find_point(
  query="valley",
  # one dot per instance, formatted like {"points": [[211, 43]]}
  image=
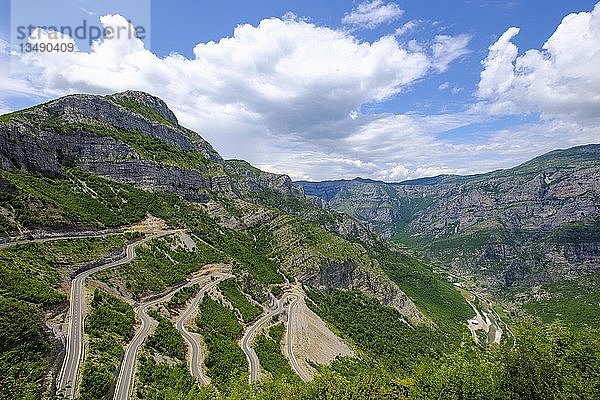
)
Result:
{"points": [[511, 231]]}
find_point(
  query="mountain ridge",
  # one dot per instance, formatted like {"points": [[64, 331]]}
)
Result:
{"points": [[521, 227], [134, 138]]}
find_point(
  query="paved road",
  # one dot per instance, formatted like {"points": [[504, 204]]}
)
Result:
{"points": [[253, 362], [74, 342], [290, 341], [490, 303], [126, 374], [193, 343], [68, 236]]}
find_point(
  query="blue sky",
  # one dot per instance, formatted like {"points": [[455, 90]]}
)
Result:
{"points": [[179, 26], [338, 89]]}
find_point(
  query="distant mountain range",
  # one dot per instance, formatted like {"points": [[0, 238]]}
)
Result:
{"points": [[536, 223]]}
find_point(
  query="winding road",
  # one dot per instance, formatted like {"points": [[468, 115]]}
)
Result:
{"points": [[490, 305], [68, 236], [289, 343], [126, 375], [196, 352], [248, 337], [67, 381]]}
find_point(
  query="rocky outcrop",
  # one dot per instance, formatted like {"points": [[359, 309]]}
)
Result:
{"points": [[327, 274], [59, 134]]}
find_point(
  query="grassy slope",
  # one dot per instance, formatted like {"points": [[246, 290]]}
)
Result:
{"points": [[268, 350], [157, 266], [232, 292], [433, 296], [24, 349], [220, 328], [164, 373]]}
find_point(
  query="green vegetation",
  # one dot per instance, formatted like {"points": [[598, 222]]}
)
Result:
{"points": [[319, 241], [147, 147], [247, 310], [556, 362], [32, 271], [143, 110], [110, 327], [30, 275], [252, 250], [150, 148], [181, 297], [578, 232], [164, 374], [435, 297], [157, 266], [220, 328], [167, 340], [268, 350], [378, 331], [24, 350], [575, 302], [79, 199], [162, 381], [276, 332], [289, 203]]}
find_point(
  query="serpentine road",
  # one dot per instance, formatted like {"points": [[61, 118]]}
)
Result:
{"points": [[126, 374], [193, 343], [74, 342], [253, 362]]}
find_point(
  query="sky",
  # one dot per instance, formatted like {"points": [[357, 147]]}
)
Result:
{"points": [[389, 90]]}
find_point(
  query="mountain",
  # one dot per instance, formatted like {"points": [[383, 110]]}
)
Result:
{"points": [[512, 230], [135, 262], [133, 138], [84, 175]]}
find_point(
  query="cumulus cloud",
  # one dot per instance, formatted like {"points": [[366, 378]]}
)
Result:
{"points": [[371, 14], [281, 81], [400, 172], [559, 81]]}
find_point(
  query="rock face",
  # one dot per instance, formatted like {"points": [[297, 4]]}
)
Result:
{"points": [[69, 132], [329, 262], [102, 135], [535, 223]]}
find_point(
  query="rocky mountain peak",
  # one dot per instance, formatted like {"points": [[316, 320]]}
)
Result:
{"points": [[147, 100]]}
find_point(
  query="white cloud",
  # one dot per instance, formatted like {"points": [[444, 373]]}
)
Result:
{"points": [[407, 27], [287, 96], [448, 48], [399, 172], [559, 81], [283, 80], [371, 14], [452, 88], [498, 73]]}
